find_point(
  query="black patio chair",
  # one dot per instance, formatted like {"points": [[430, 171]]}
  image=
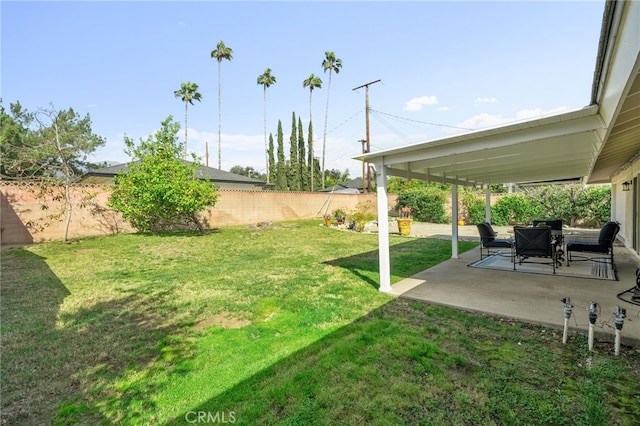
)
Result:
{"points": [[603, 246], [556, 234], [489, 241], [534, 242], [554, 224]]}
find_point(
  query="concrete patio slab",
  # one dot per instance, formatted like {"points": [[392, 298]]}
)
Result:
{"points": [[527, 297]]}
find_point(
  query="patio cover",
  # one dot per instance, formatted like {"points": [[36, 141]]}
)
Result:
{"points": [[561, 147], [555, 148]]}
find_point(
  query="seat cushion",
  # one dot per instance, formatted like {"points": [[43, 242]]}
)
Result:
{"points": [[593, 247], [497, 244]]}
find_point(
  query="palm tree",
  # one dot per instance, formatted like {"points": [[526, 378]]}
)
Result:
{"points": [[188, 93], [312, 82], [221, 52], [331, 64], [266, 79]]}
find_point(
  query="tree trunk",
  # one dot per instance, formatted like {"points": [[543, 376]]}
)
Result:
{"points": [[219, 122], [186, 106], [266, 148], [326, 117]]}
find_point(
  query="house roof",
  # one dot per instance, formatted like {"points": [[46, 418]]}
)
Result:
{"points": [[591, 143], [202, 172]]}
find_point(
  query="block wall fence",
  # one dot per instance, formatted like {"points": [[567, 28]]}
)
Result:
{"points": [[28, 217]]}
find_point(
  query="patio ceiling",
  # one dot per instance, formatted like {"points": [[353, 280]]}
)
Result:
{"points": [[623, 142], [555, 148]]}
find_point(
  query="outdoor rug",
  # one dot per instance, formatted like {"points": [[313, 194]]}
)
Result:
{"points": [[581, 269]]}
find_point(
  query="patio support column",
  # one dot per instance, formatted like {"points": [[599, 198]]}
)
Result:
{"points": [[487, 204], [383, 227], [454, 221]]}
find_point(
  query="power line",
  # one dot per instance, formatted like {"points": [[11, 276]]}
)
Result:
{"points": [[417, 121]]}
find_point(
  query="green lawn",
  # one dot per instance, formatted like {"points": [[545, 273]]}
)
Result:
{"points": [[283, 325]]}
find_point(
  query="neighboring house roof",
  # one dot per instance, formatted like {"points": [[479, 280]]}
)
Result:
{"points": [[219, 177], [353, 186]]}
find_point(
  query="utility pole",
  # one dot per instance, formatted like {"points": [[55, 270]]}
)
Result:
{"points": [[206, 152], [366, 100], [364, 151]]}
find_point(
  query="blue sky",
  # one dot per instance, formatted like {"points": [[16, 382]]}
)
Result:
{"points": [[443, 66]]}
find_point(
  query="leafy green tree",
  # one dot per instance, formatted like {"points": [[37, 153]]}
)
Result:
{"points": [[281, 165], [302, 164], [15, 143], [331, 64], [188, 93], [220, 52], [266, 79], [53, 151], [159, 190], [335, 176], [248, 171], [294, 171], [65, 141]]}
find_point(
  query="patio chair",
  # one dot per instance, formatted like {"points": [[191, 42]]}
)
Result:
{"points": [[556, 234], [603, 246], [554, 224], [534, 243], [489, 241]]}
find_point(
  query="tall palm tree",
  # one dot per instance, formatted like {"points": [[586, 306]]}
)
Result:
{"points": [[312, 82], [331, 64], [188, 93], [266, 79], [221, 52]]}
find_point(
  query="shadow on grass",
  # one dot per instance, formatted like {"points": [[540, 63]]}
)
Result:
{"points": [[406, 259], [408, 363], [60, 361]]}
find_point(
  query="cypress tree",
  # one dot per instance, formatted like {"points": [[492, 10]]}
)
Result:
{"points": [[272, 160], [294, 172], [302, 166], [281, 165], [312, 176]]}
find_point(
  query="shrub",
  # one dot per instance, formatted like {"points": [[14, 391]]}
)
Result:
{"points": [[363, 213], [426, 203], [473, 205], [593, 205], [514, 208]]}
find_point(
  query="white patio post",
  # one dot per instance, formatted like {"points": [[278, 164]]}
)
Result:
{"points": [[383, 228], [454, 221], [487, 204]]}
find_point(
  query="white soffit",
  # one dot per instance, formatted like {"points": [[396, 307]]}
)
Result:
{"points": [[558, 147]]}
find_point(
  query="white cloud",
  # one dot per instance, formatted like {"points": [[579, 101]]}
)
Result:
{"points": [[445, 108], [416, 104], [485, 100]]}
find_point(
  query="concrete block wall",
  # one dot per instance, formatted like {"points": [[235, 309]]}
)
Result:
{"points": [[27, 216]]}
